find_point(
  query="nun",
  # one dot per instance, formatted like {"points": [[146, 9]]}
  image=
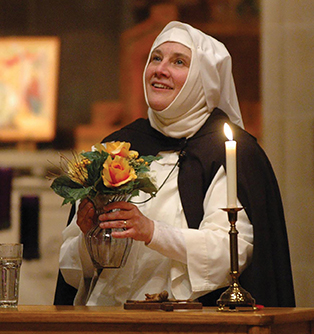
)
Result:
{"points": [[180, 236]]}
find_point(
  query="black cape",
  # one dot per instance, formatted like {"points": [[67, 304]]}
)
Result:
{"points": [[268, 278]]}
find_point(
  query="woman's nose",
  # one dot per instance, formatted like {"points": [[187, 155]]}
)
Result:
{"points": [[162, 69]]}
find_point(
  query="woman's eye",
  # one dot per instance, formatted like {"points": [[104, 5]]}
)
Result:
{"points": [[180, 62], [156, 58]]}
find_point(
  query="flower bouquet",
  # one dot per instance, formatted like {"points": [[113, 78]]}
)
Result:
{"points": [[110, 172], [110, 169]]}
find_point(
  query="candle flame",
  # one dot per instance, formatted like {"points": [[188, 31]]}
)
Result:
{"points": [[228, 131]]}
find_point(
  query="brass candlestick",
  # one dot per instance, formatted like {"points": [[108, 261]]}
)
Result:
{"points": [[235, 296]]}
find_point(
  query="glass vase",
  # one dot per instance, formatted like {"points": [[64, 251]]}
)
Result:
{"points": [[104, 250]]}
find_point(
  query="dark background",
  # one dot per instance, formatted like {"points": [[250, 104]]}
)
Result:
{"points": [[89, 32]]}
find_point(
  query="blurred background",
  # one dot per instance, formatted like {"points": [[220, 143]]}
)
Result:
{"points": [[99, 49]]}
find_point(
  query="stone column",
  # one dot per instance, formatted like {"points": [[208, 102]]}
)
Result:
{"points": [[287, 63]]}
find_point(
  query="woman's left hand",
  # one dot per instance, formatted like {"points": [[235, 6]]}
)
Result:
{"points": [[128, 216]]}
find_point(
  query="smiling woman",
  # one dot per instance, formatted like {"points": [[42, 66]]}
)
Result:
{"points": [[173, 62], [180, 236], [166, 73]]}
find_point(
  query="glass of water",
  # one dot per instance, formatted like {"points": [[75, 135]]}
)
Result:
{"points": [[10, 263]]}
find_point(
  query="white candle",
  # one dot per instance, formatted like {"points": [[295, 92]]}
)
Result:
{"points": [[231, 166]]}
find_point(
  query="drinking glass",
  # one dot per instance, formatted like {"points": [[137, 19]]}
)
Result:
{"points": [[10, 263]]}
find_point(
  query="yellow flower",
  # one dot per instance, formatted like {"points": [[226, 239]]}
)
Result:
{"points": [[121, 149], [118, 148], [77, 170], [133, 154], [117, 172]]}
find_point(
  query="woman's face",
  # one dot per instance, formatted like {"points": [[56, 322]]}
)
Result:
{"points": [[166, 73]]}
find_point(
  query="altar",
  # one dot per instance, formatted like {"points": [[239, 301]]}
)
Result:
{"points": [[87, 320]]}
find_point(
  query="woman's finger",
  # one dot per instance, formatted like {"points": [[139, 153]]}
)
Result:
{"points": [[85, 215]]}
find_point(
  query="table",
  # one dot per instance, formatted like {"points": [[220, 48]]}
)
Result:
{"points": [[87, 320]]}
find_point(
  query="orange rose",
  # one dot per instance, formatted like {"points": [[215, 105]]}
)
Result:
{"points": [[117, 172], [121, 149], [118, 148]]}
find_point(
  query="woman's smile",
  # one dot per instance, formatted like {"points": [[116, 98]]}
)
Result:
{"points": [[160, 85]]}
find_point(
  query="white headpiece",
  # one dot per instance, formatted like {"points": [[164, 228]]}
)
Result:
{"points": [[209, 84]]}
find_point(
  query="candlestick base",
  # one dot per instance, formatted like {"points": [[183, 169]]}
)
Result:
{"points": [[235, 296]]}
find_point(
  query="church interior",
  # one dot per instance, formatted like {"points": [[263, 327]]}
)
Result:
{"points": [[96, 51]]}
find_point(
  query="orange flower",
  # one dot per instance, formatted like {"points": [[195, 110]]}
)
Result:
{"points": [[117, 172], [118, 148], [121, 149]]}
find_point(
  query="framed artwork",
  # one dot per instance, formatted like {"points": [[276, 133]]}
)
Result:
{"points": [[29, 69]]}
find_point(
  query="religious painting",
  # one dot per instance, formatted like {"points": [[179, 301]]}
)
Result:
{"points": [[28, 88]]}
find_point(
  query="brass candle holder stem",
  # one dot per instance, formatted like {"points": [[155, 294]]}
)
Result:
{"points": [[235, 296], [233, 235]]}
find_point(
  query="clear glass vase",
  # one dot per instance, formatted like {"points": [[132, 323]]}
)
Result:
{"points": [[104, 250]]}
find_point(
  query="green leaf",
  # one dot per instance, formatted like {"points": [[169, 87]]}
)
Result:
{"points": [[79, 193], [69, 190], [135, 192], [146, 185], [142, 169], [97, 159], [62, 182], [150, 158], [68, 200]]}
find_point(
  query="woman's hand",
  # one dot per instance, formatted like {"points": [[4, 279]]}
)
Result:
{"points": [[128, 216], [85, 215]]}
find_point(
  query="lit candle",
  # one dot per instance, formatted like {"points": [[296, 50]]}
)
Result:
{"points": [[231, 166]]}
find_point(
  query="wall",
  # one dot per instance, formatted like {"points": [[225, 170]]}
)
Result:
{"points": [[89, 32], [288, 119]]}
